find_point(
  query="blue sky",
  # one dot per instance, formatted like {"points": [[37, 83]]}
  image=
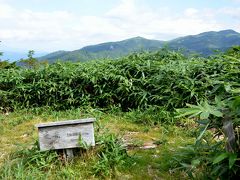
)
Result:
{"points": [[50, 25]]}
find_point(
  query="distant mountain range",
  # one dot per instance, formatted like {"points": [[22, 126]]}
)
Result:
{"points": [[15, 56], [203, 44]]}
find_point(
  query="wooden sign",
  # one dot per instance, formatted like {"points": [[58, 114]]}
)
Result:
{"points": [[66, 134]]}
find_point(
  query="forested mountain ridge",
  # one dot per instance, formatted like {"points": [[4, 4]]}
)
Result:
{"points": [[203, 43]]}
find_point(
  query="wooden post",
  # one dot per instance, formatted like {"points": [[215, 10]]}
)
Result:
{"points": [[229, 132], [68, 154]]}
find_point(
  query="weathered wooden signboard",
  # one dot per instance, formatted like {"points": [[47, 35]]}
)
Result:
{"points": [[66, 134]]}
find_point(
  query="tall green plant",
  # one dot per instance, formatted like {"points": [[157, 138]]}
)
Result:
{"points": [[165, 78]]}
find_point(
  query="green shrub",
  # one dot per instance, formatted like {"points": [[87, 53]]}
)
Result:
{"points": [[111, 155]]}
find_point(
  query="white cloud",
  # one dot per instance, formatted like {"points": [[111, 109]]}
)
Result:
{"points": [[146, 22], [234, 12], [56, 30], [6, 11], [30, 30], [191, 12]]}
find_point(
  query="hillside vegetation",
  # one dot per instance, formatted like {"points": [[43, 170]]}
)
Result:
{"points": [[163, 78], [191, 97], [204, 44]]}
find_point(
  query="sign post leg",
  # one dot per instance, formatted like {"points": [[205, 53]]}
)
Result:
{"points": [[68, 154]]}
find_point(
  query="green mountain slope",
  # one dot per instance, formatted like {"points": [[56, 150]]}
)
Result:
{"points": [[106, 50], [204, 43]]}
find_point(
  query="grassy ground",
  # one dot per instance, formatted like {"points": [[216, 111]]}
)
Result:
{"points": [[18, 133]]}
